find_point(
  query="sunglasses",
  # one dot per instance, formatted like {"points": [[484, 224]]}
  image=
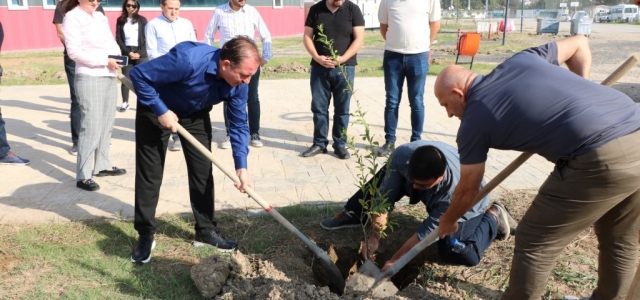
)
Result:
{"points": [[132, 6]]}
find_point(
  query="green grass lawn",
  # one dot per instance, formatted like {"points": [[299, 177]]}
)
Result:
{"points": [[90, 259], [46, 67]]}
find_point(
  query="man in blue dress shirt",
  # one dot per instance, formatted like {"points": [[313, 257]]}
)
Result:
{"points": [[181, 87]]}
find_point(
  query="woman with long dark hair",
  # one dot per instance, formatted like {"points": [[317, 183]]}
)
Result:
{"points": [[89, 43], [131, 39]]}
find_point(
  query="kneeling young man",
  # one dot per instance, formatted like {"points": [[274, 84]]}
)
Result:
{"points": [[428, 172]]}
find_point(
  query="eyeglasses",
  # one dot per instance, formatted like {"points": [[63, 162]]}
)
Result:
{"points": [[417, 185], [91, 1], [420, 186], [132, 6]]}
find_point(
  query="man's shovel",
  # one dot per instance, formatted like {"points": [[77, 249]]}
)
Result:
{"points": [[370, 278], [328, 268]]}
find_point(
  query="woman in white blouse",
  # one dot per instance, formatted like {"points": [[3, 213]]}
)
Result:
{"points": [[131, 40], [89, 42]]}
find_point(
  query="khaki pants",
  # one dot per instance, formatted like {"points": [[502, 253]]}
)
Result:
{"points": [[599, 188]]}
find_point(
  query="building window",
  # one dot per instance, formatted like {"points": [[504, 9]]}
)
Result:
{"points": [[18, 5], [49, 4], [277, 3]]}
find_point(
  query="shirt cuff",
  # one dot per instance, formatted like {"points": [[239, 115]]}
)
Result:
{"points": [[240, 162], [159, 108]]}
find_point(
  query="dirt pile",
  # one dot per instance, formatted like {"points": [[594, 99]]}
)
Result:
{"points": [[291, 271], [294, 67], [237, 276]]}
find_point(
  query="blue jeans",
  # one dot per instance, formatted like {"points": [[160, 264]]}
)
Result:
{"points": [[4, 144], [325, 83], [397, 67], [477, 233], [70, 69], [253, 106]]}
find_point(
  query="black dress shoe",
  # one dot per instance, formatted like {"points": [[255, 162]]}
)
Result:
{"points": [[341, 152], [142, 251], [115, 171], [215, 239], [315, 149], [88, 185]]}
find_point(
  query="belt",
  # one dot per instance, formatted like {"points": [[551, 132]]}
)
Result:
{"points": [[132, 48]]}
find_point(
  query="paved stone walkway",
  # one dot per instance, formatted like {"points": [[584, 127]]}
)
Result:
{"points": [[45, 191]]}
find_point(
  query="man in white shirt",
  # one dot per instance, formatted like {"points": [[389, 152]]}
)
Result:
{"points": [[406, 55], [233, 19], [164, 32]]}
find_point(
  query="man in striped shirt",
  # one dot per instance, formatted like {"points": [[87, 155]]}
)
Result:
{"points": [[233, 19]]}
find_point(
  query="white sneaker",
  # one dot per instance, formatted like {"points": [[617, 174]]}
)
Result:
{"points": [[226, 144], [176, 146], [255, 140], [74, 150], [575, 298], [124, 107]]}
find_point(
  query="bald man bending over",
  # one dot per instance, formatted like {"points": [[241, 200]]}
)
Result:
{"points": [[590, 131]]}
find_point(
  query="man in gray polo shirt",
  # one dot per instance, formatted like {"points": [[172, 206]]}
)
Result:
{"points": [[590, 131]]}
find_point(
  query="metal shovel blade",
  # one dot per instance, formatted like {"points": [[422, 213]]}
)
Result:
{"points": [[329, 271], [364, 279]]}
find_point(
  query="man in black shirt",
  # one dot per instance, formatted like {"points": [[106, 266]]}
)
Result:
{"points": [[70, 69], [344, 24]]}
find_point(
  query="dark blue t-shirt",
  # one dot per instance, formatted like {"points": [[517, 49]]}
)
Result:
{"points": [[530, 104]]}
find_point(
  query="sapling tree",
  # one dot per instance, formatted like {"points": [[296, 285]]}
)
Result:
{"points": [[374, 202]]}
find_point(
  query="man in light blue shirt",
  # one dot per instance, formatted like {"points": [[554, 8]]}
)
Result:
{"points": [[182, 87], [164, 32], [233, 19]]}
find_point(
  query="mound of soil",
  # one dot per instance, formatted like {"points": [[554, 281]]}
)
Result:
{"points": [[290, 271]]}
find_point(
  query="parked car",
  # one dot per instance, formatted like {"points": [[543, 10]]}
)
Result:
{"points": [[601, 17]]}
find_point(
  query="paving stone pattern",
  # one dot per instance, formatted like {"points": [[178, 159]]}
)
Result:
{"points": [[38, 129]]}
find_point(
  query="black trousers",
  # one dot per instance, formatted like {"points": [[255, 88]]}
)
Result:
{"points": [[151, 150]]}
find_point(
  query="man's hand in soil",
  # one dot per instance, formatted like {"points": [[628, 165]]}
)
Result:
{"points": [[370, 247], [410, 243]]}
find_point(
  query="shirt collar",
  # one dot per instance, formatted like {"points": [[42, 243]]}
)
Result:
{"points": [[213, 65], [227, 8], [473, 85], [167, 20]]}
